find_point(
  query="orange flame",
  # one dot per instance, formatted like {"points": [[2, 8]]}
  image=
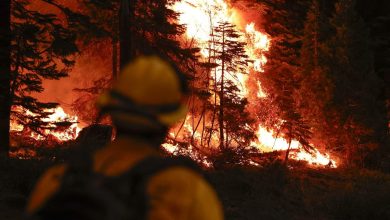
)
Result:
{"points": [[58, 115], [200, 16]]}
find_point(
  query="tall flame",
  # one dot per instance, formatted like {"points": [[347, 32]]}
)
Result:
{"points": [[200, 17]]}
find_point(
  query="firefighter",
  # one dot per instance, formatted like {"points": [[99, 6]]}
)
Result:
{"points": [[145, 101]]}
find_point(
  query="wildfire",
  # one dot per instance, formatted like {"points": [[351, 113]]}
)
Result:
{"points": [[315, 159], [257, 43], [267, 141], [61, 126], [200, 17]]}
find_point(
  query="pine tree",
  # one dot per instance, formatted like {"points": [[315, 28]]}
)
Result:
{"points": [[152, 28], [376, 16], [42, 48], [233, 120], [354, 105], [5, 75], [284, 21], [141, 28], [315, 91], [104, 15]]}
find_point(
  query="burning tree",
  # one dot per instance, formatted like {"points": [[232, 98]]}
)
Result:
{"points": [[229, 54], [42, 48], [316, 88], [151, 26], [359, 121], [280, 80], [105, 14], [311, 81], [339, 87], [148, 27], [280, 114]]}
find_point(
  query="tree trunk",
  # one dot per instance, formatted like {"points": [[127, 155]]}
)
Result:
{"points": [[276, 138], [181, 127], [221, 96], [5, 75], [215, 91], [316, 29], [124, 33], [203, 128], [287, 152], [197, 126], [214, 109]]}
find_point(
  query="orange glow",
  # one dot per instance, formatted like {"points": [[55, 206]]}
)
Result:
{"points": [[267, 142], [22, 153], [316, 159], [68, 132], [200, 17], [257, 44]]}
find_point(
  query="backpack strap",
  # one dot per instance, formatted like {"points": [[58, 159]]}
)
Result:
{"points": [[123, 197], [139, 176], [82, 196]]}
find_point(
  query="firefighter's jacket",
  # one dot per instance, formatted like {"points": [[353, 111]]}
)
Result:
{"points": [[175, 193]]}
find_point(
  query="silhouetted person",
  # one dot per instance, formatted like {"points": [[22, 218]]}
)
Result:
{"points": [[128, 179]]}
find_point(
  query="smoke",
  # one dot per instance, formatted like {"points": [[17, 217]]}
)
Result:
{"points": [[92, 63]]}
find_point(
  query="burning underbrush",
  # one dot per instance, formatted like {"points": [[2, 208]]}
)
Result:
{"points": [[56, 129], [62, 132], [88, 140], [246, 156]]}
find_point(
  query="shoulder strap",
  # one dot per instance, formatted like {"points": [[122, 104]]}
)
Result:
{"points": [[133, 184], [81, 196]]}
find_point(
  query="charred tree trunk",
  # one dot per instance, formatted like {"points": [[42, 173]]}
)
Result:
{"points": [[316, 34], [5, 75], [203, 128], [221, 96], [214, 109], [288, 151], [276, 138], [182, 124], [197, 126], [181, 127], [215, 90], [125, 41], [207, 84]]}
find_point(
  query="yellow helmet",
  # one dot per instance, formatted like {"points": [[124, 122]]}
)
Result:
{"points": [[149, 91]]}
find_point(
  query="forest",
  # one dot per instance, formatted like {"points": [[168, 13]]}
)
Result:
{"points": [[288, 105]]}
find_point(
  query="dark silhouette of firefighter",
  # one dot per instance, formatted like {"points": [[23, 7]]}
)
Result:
{"points": [[128, 179]]}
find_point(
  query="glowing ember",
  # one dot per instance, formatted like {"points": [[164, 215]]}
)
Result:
{"points": [[200, 17]]}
